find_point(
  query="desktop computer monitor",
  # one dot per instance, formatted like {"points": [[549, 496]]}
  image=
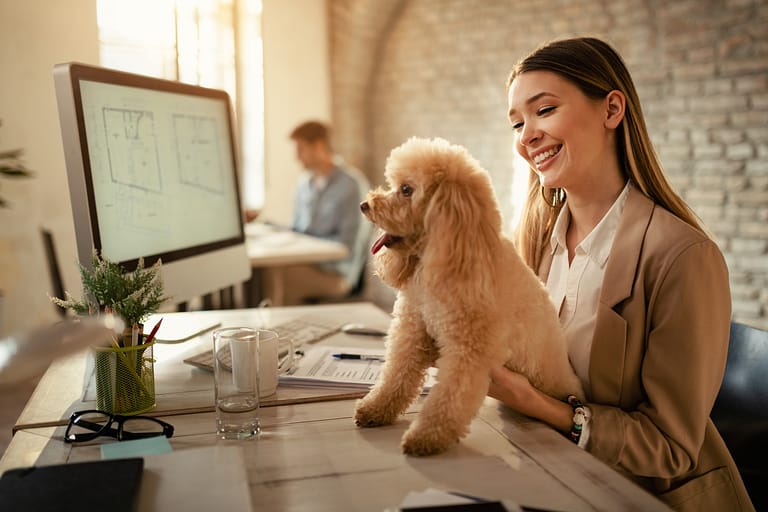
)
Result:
{"points": [[152, 173]]}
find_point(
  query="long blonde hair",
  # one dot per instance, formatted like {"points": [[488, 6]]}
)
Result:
{"points": [[596, 69]]}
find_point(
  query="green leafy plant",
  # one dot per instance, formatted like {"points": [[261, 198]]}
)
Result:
{"points": [[131, 295], [11, 166]]}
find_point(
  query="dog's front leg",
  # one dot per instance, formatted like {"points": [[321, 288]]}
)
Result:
{"points": [[410, 351], [463, 378]]}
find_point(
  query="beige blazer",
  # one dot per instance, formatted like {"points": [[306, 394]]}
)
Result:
{"points": [[658, 358]]}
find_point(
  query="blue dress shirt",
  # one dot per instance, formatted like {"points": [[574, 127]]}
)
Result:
{"points": [[332, 211]]}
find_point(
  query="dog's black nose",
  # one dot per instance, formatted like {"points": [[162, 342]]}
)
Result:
{"points": [[364, 206]]}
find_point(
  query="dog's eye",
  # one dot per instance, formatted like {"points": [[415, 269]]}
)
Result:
{"points": [[406, 190]]}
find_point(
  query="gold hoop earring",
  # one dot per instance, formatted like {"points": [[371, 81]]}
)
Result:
{"points": [[558, 196], [544, 196]]}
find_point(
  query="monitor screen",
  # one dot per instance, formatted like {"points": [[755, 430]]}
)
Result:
{"points": [[152, 173]]}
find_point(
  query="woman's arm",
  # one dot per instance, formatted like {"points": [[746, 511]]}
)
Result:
{"points": [[515, 390], [682, 367]]}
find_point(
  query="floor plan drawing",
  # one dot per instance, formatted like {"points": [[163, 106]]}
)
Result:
{"points": [[132, 148], [198, 152]]}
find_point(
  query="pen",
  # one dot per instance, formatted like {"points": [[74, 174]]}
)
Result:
{"points": [[360, 357], [151, 336]]}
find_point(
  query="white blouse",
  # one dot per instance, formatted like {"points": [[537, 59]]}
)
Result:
{"points": [[575, 288]]}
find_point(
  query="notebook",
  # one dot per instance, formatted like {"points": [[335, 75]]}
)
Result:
{"points": [[109, 485]]}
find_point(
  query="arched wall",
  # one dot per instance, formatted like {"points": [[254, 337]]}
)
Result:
{"points": [[437, 68]]}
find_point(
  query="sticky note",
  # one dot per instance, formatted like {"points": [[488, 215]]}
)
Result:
{"points": [[136, 448]]}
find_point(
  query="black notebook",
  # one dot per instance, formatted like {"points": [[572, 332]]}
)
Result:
{"points": [[108, 485]]}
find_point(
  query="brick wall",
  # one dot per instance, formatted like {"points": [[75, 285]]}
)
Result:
{"points": [[437, 68]]}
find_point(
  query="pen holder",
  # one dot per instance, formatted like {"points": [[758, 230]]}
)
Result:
{"points": [[125, 379]]}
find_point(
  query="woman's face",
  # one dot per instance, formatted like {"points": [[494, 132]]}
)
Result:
{"points": [[560, 131]]}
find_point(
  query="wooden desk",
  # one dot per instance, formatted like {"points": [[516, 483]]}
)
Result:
{"points": [[312, 457], [181, 388], [279, 249]]}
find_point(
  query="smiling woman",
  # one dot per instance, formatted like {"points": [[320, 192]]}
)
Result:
{"points": [[619, 252]]}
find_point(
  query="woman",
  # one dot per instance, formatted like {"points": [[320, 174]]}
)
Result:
{"points": [[642, 290]]}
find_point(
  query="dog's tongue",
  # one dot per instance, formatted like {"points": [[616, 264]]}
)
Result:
{"points": [[380, 242]]}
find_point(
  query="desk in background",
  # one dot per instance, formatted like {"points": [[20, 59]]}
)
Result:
{"points": [[311, 456], [277, 248]]}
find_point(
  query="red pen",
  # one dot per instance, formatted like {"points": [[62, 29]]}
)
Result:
{"points": [[153, 332]]}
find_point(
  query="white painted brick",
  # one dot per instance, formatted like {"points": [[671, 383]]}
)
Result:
{"points": [[746, 309], [744, 292], [758, 167], [707, 197], [752, 197], [708, 151], [758, 101], [729, 136], [749, 245], [740, 151]]}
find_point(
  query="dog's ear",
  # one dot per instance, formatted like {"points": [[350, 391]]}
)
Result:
{"points": [[462, 225]]}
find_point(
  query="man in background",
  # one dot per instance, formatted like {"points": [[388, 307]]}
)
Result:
{"points": [[326, 205]]}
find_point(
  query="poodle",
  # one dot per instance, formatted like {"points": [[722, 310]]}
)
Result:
{"points": [[466, 301]]}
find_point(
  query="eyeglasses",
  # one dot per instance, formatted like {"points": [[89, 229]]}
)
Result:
{"points": [[88, 425]]}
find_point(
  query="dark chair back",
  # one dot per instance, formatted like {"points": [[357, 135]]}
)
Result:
{"points": [[741, 409], [54, 272], [744, 392]]}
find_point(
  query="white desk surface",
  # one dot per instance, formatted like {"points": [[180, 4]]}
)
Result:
{"points": [[312, 457], [273, 247], [181, 388]]}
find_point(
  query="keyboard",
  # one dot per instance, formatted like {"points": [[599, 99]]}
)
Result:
{"points": [[301, 331]]}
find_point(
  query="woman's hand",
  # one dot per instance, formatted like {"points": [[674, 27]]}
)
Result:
{"points": [[514, 390], [511, 388]]}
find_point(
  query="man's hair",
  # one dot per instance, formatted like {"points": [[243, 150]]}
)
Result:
{"points": [[312, 131]]}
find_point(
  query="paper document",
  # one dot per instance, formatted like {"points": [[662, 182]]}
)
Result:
{"points": [[321, 366]]}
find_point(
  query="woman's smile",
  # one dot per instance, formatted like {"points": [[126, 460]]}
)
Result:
{"points": [[544, 159]]}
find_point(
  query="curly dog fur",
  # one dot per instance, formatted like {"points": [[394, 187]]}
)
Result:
{"points": [[466, 301]]}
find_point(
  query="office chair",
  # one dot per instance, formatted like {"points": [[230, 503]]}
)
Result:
{"points": [[54, 273], [740, 412]]}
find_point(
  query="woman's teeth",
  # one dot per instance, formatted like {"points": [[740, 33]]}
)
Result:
{"points": [[546, 155]]}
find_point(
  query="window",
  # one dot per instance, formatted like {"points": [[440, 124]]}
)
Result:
{"points": [[214, 43]]}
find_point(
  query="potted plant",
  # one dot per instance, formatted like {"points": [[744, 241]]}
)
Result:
{"points": [[125, 371], [107, 287]]}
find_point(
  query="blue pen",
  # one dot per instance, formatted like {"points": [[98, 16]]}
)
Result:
{"points": [[360, 357]]}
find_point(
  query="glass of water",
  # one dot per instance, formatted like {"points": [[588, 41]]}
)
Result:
{"points": [[236, 382]]}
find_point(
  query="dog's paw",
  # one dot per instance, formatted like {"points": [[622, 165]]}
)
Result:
{"points": [[421, 441], [368, 414]]}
